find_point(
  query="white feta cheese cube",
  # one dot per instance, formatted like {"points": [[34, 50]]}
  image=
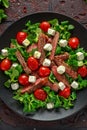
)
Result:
{"points": [[32, 79], [37, 54], [61, 85], [74, 84], [63, 42], [51, 31], [48, 47], [80, 56], [4, 52], [14, 65], [50, 105], [46, 62], [14, 86], [61, 69], [26, 42]]}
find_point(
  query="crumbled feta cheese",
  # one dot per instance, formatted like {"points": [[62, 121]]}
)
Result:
{"points": [[37, 54], [63, 42], [46, 62], [4, 52], [51, 31], [61, 69], [26, 42], [14, 86], [48, 47], [50, 105], [80, 56], [61, 85], [14, 65], [74, 84], [32, 79]]}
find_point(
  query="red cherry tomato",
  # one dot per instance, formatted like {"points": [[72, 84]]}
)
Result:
{"points": [[65, 93], [5, 64], [40, 94], [44, 26], [73, 42], [44, 71], [21, 36], [32, 63], [82, 71], [23, 79]]}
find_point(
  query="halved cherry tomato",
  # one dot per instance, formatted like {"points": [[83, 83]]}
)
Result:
{"points": [[82, 71], [44, 26], [21, 36], [40, 94], [65, 93], [23, 79], [32, 63], [44, 71], [73, 42], [5, 64]]}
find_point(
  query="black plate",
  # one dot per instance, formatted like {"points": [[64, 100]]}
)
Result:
{"points": [[6, 94]]}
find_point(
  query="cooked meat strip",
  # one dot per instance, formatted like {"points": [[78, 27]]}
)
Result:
{"points": [[38, 84], [63, 56], [54, 45], [31, 47], [52, 86], [68, 70], [41, 42], [22, 62], [59, 77]]}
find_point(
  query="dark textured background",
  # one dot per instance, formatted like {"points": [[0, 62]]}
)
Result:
{"points": [[77, 9]]}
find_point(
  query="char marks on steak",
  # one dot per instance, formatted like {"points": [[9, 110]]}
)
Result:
{"points": [[41, 42], [59, 77], [22, 62], [38, 84], [54, 45], [68, 69]]}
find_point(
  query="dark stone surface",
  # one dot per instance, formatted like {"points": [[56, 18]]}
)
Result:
{"points": [[77, 9]]}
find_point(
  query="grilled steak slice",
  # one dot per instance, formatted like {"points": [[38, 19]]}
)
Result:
{"points": [[38, 84], [22, 62], [59, 77], [52, 86], [54, 45], [31, 47], [68, 70], [64, 56], [41, 42]]}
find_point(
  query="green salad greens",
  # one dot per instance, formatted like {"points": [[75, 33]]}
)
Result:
{"points": [[27, 87], [3, 4]]}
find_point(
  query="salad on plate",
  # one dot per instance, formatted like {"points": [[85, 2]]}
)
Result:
{"points": [[45, 65]]}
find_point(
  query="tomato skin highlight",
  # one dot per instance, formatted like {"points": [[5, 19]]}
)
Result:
{"points": [[5, 64], [40, 94], [21, 36], [32, 63], [44, 71], [44, 26], [65, 93], [23, 79], [82, 71], [73, 42]]}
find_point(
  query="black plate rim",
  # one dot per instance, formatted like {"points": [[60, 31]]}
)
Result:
{"points": [[40, 13]]}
